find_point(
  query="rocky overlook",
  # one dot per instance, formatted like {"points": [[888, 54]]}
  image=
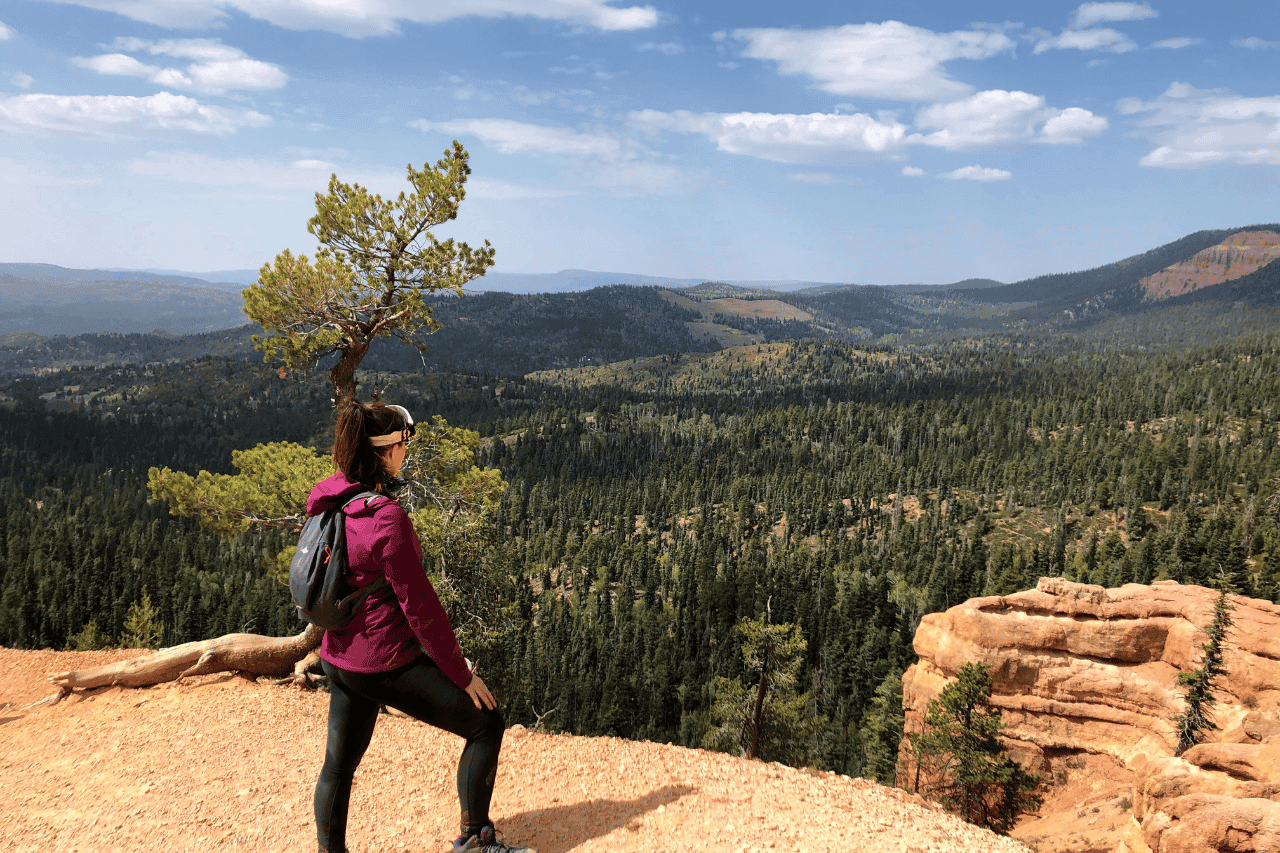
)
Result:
{"points": [[220, 762], [1086, 679]]}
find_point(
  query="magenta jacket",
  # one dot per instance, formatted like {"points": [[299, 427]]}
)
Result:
{"points": [[386, 632]]}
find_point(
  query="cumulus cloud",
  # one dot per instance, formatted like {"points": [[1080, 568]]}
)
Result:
{"points": [[1200, 127], [1089, 14], [1255, 43], [997, 117], [1071, 127], [6, 33], [886, 60], [217, 68], [121, 115], [912, 172], [22, 81], [1095, 39], [607, 161], [977, 173], [787, 138], [1177, 44], [361, 18]]}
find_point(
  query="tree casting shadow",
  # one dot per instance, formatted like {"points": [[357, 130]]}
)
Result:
{"points": [[557, 829]]}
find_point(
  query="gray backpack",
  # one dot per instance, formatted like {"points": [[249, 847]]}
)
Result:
{"points": [[318, 575]]}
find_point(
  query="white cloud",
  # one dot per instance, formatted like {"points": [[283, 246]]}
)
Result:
{"points": [[1096, 39], [360, 18], [22, 81], [886, 60], [610, 163], [116, 64], [670, 48], [217, 69], [1089, 14], [912, 172], [977, 173], [997, 117], [820, 178], [1200, 127], [6, 33], [511, 137], [787, 138], [1178, 43], [1071, 127], [121, 115], [196, 168], [1255, 43]]}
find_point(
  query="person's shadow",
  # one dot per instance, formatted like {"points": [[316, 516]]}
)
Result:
{"points": [[557, 829]]}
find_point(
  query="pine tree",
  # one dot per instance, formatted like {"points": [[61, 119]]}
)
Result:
{"points": [[1194, 722], [958, 758], [882, 731], [768, 719], [142, 626]]}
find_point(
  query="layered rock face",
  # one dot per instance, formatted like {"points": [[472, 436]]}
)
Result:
{"points": [[1235, 257], [1082, 672]]}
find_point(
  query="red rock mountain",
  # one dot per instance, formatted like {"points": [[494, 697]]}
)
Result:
{"points": [[1235, 257]]}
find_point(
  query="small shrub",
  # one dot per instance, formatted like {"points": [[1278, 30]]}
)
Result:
{"points": [[142, 626], [88, 639]]}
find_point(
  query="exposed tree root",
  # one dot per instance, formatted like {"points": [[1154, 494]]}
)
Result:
{"points": [[286, 658]]}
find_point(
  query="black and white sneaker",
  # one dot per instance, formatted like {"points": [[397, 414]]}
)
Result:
{"points": [[487, 841]]}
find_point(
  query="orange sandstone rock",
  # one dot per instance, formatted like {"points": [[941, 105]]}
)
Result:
{"points": [[1082, 671]]}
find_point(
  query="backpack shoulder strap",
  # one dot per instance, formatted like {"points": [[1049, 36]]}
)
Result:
{"points": [[382, 582], [361, 496]]}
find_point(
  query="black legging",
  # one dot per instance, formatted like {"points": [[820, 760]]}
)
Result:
{"points": [[422, 691]]}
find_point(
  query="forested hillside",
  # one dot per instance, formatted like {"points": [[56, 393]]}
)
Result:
{"points": [[1208, 286], [654, 504]]}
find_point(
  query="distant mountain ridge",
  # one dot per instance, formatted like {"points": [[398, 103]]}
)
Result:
{"points": [[46, 299], [1181, 288]]}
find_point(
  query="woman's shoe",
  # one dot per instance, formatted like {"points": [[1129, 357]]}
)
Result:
{"points": [[487, 841]]}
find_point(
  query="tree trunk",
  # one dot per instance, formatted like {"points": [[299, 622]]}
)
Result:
{"points": [[280, 657], [343, 374]]}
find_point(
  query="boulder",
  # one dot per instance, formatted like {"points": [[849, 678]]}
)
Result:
{"points": [[1079, 670]]}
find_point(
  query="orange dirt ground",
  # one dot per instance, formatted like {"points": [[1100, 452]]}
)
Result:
{"points": [[221, 763]]}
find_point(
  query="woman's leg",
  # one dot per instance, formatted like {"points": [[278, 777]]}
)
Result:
{"points": [[425, 693], [351, 721]]}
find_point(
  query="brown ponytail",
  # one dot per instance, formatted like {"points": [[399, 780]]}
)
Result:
{"points": [[353, 455]]}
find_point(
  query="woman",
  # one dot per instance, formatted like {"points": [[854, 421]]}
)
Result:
{"points": [[379, 659]]}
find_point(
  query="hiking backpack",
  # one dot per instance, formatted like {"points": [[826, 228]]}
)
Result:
{"points": [[318, 577]]}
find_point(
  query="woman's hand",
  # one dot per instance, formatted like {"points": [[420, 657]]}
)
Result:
{"points": [[480, 694]]}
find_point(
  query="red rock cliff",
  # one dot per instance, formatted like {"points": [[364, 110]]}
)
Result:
{"points": [[1080, 672]]}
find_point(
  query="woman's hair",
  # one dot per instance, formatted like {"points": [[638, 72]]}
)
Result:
{"points": [[353, 455]]}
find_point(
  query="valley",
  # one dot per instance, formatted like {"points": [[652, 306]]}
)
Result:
{"points": [[679, 463]]}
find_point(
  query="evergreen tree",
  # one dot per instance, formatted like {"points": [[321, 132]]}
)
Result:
{"points": [[142, 626], [882, 731], [766, 717], [1194, 721], [958, 758]]}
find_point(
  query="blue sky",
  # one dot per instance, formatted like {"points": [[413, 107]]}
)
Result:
{"points": [[870, 142]]}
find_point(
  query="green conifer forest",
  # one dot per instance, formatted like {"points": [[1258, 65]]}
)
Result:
{"points": [[659, 505]]}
